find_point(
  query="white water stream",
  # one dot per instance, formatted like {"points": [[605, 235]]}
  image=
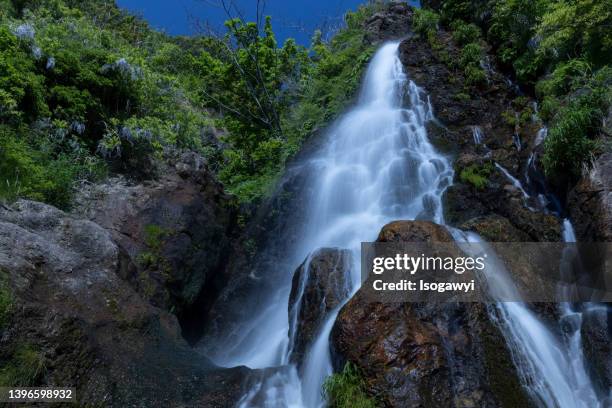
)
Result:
{"points": [[378, 166]]}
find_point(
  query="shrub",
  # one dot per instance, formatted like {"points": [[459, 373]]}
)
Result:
{"points": [[25, 368], [347, 389], [471, 54], [464, 33], [425, 21], [566, 77], [567, 149], [474, 75], [549, 107], [476, 175], [42, 169], [6, 300]]}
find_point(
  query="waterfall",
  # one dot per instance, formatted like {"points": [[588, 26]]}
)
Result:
{"points": [[515, 182], [377, 166], [477, 135], [552, 371]]}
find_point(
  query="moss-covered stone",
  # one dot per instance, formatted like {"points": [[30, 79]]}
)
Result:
{"points": [[476, 175], [503, 378]]}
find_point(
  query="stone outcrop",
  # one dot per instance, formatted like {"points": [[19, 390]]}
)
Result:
{"points": [[590, 202], [459, 110], [426, 354], [596, 330], [392, 22], [74, 321], [176, 230], [319, 285]]}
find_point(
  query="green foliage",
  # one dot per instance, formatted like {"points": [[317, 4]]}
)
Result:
{"points": [[272, 105], [477, 176], [21, 88], [347, 389], [577, 29], [564, 48], [471, 54], [474, 75], [39, 166], [469, 59], [570, 146], [253, 83], [464, 33], [462, 97], [567, 77], [154, 236], [425, 21], [549, 107], [453, 10], [85, 86], [24, 369], [6, 300]]}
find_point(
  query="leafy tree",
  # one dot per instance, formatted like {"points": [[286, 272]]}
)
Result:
{"points": [[575, 29]]}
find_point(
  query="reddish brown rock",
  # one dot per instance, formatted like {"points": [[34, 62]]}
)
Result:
{"points": [[425, 354]]}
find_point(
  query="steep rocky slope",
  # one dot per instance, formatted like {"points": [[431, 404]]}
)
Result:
{"points": [[87, 311]]}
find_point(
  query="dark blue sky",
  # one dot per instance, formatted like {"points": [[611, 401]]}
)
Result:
{"points": [[290, 18]]}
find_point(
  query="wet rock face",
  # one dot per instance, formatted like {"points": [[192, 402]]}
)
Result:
{"points": [[88, 326], [426, 355], [260, 260], [393, 22], [459, 110], [595, 332], [319, 285], [176, 230], [590, 202]]}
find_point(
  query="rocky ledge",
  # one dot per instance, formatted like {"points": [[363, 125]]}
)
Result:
{"points": [[177, 231], [76, 322]]}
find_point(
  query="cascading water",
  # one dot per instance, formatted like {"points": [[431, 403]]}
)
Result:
{"points": [[378, 166], [552, 371]]}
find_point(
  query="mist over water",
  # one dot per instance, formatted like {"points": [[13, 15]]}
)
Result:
{"points": [[377, 166]]}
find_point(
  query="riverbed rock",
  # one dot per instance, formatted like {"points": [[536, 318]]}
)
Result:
{"points": [[590, 202], [426, 354], [176, 229], [319, 285], [74, 321]]}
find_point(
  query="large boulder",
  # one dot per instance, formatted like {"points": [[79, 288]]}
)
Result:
{"points": [[426, 354], [73, 320], [176, 229], [393, 21], [319, 285]]}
